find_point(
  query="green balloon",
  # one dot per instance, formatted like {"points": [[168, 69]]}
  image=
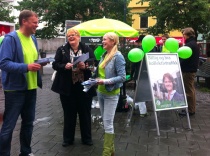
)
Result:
{"points": [[172, 45], [135, 55], [1, 39], [148, 43], [99, 52], [184, 52]]}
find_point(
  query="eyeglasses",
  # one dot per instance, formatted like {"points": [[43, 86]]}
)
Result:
{"points": [[72, 35]]}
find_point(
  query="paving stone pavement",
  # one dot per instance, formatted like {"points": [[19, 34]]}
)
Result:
{"points": [[139, 138]]}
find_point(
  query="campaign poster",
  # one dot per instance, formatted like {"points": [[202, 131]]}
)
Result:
{"points": [[166, 81]]}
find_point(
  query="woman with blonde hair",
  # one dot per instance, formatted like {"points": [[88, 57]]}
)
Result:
{"points": [[67, 83], [110, 75]]}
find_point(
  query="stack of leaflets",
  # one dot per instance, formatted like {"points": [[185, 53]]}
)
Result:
{"points": [[88, 84], [44, 60]]}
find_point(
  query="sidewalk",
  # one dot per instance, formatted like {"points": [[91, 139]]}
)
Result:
{"points": [[138, 139]]}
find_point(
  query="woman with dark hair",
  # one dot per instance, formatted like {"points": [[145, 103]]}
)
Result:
{"points": [[169, 85]]}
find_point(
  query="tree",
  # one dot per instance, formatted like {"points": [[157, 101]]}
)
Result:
{"points": [[55, 12], [178, 14], [6, 9]]}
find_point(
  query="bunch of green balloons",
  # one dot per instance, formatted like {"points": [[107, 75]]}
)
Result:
{"points": [[136, 54], [149, 42], [98, 52]]}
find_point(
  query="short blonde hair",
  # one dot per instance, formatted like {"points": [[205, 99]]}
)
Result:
{"points": [[188, 32], [72, 30]]}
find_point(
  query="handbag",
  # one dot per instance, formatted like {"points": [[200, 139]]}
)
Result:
{"points": [[53, 75]]}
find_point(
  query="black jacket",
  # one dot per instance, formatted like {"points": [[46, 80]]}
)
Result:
{"points": [[63, 83], [191, 64]]}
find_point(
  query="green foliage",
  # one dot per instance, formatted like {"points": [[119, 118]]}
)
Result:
{"points": [[55, 12], [6, 9], [178, 14]]}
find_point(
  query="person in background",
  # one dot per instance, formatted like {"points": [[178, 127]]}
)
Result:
{"points": [[20, 79], [189, 68], [110, 75], [163, 49], [135, 67], [67, 83]]}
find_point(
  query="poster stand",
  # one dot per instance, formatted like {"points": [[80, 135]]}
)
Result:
{"points": [[160, 81]]}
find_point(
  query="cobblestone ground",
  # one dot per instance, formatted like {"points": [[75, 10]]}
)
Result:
{"points": [[137, 138]]}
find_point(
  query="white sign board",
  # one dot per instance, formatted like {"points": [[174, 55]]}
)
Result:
{"points": [[166, 81]]}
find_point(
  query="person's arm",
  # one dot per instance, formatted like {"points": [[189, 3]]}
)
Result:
{"points": [[120, 70], [8, 53]]}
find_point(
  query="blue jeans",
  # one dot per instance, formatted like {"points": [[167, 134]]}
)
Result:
{"points": [[18, 103], [108, 105]]}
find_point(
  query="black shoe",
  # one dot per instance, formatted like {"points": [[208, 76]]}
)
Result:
{"points": [[183, 113], [66, 144], [89, 143], [191, 114]]}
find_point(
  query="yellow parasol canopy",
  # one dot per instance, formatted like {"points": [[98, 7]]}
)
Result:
{"points": [[99, 27]]}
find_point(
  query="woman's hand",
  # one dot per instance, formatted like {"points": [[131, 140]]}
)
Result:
{"points": [[81, 65], [100, 81], [68, 66]]}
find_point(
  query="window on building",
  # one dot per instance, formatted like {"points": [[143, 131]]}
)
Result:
{"points": [[143, 21]]}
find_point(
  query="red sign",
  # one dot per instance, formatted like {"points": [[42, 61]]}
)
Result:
{"points": [[159, 40], [4, 29]]}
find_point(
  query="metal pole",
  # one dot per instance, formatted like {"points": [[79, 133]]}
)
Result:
{"points": [[125, 5]]}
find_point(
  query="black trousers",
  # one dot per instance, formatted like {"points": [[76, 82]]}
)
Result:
{"points": [[73, 105]]}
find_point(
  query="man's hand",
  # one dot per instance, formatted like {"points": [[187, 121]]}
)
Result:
{"points": [[34, 67]]}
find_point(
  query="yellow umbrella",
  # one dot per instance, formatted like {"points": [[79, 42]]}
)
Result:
{"points": [[98, 27]]}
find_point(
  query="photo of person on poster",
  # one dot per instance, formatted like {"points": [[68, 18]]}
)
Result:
{"points": [[166, 93], [169, 84]]}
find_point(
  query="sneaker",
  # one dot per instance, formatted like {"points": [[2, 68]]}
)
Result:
{"points": [[31, 154], [136, 106], [144, 115], [97, 105]]}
